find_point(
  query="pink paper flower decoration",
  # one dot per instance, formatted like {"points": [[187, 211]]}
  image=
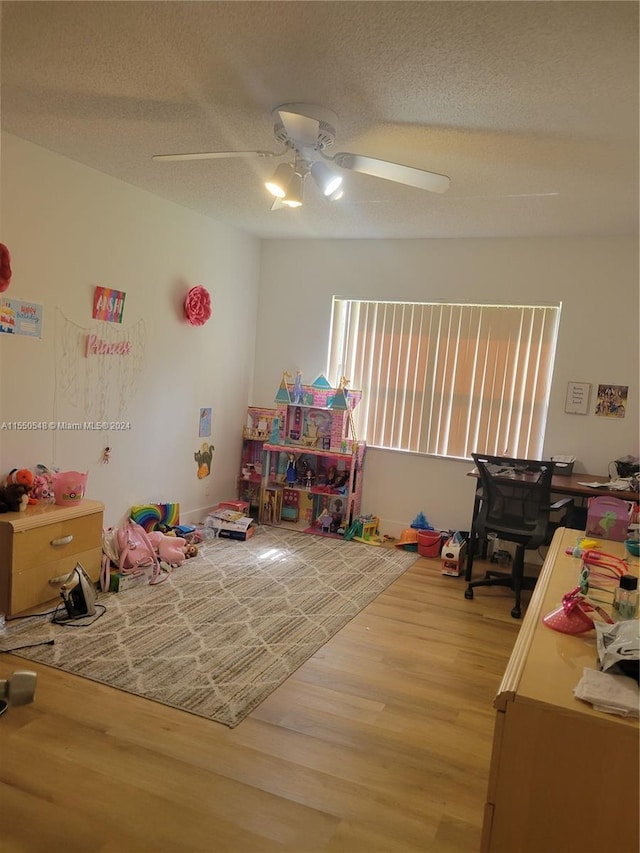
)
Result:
{"points": [[5, 267], [197, 306]]}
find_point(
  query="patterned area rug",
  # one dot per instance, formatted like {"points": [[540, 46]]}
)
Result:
{"points": [[227, 627]]}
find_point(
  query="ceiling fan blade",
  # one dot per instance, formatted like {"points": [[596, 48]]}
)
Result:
{"points": [[302, 129], [408, 175], [213, 155]]}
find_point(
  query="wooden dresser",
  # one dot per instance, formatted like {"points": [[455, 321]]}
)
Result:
{"points": [[43, 542], [563, 776]]}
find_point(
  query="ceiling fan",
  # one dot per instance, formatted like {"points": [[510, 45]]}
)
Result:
{"points": [[306, 131]]}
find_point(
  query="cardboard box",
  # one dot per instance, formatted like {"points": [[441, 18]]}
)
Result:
{"points": [[239, 535], [453, 557], [238, 506], [121, 582]]}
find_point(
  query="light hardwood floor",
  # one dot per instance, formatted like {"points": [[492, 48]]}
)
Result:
{"points": [[380, 742]]}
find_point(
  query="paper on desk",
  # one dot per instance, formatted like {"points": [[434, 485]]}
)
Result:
{"points": [[613, 694], [612, 485]]}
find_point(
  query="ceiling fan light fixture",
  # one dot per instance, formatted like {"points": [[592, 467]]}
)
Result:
{"points": [[293, 195], [326, 178], [280, 181]]}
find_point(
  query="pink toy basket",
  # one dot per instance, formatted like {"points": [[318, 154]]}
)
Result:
{"points": [[69, 487]]}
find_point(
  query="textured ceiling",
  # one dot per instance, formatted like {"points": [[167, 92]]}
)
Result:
{"points": [[531, 108]]}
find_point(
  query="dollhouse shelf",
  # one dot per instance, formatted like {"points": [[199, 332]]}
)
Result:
{"points": [[312, 474], [256, 431], [310, 492]]}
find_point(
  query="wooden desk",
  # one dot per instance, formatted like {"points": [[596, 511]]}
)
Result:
{"points": [[563, 776], [560, 485], [570, 485]]}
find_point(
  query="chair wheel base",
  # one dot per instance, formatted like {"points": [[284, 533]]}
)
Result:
{"points": [[516, 613], [468, 593]]}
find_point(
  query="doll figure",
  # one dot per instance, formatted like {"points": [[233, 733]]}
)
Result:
{"points": [[291, 474]]}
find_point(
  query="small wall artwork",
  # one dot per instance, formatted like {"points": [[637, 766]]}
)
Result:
{"points": [[577, 401], [18, 317], [612, 401], [203, 458], [108, 304], [204, 421]]}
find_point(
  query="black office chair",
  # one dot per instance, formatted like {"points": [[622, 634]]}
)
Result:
{"points": [[513, 503]]}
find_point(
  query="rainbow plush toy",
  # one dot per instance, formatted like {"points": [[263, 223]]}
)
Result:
{"points": [[151, 516]]}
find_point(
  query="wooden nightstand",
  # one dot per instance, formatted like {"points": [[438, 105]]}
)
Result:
{"points": [[43, 542]]}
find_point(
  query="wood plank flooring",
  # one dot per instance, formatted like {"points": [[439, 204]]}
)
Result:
{"points": [[380, 742]]}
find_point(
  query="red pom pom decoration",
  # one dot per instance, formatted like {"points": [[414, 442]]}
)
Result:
{"points": [[197, 306], [5, 267]]}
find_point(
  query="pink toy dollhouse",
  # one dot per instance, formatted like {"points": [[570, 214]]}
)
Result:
{"points": [[313, 460]]}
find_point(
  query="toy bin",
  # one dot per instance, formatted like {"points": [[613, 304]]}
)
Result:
{"points": [[69, 487], [429, 542], [608, 518]]}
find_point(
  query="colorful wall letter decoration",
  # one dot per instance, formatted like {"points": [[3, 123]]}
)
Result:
{"points": [[108, 304]]}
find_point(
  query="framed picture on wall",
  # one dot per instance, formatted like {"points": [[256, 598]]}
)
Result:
{"points": [[577, 401], [612, 401]]}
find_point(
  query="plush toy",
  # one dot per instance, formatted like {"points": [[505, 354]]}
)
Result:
{"points": [[42, 489], [191, 551], [171, 549], [22, 477], [13, 498]]}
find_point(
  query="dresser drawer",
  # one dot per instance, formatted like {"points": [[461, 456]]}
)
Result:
{"points": [[31, 587], [43, 542], [52, 542]]}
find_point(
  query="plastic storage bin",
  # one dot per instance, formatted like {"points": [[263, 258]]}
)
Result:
{"points": [[69, 487], [429, 543]]}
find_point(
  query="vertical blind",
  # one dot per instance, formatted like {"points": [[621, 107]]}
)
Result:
{"points": [[447, 379]]}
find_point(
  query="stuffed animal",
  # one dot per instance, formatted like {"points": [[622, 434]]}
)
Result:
{"points": [[42, 489], [22, 477], [191, 551], [13, 498], [171, 549]]}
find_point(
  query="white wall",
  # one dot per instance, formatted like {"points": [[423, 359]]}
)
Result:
{"points": [[70, 228], [596, 279]]}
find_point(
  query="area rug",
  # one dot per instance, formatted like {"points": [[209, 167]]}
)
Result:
{"points": [[227, 627]]}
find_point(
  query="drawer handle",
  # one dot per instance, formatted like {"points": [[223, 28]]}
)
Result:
{"points": [[64, 541]]}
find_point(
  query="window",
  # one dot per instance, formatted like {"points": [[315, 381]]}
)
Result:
{"points": [[447, 379]]}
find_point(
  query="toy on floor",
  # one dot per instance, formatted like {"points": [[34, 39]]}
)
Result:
{"points": [[365, 529], [170, 549], [454, 554], [420, 522]]}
